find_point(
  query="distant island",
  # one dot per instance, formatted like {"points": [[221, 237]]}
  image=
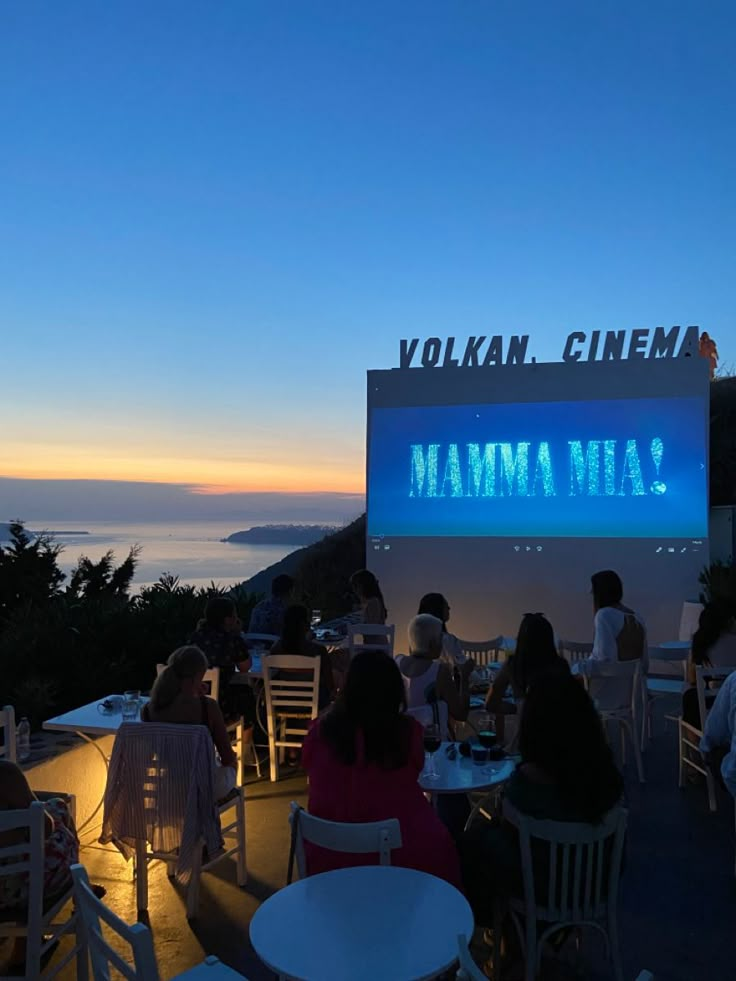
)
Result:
{"points": [[5, 532], [280, 535]]}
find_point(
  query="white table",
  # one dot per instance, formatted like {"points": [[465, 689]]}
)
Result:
{"points": [[365, 923], [86, 722], [462, 776]]}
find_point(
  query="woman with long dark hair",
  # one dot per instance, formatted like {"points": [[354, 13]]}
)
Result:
{"points": [[567, 773], [713, 645], [535, 656], [436, 605], [295, 639], [364, 759], [372, 607]]}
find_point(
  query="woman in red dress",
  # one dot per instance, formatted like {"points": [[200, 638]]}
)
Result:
{"points": [[364, 759]]}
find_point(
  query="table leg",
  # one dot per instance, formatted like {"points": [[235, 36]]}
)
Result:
{"points": [[88, 821]]}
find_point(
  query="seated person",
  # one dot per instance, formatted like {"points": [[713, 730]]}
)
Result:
{"points": [[714, 645], [218, 636], [426, 675], [178, 697], [567, 773], [268, 615], [437, 606], [295, 639], [535, 655], [718, 744], [364, 758], [620, 635], [372, 607], [61, 850]]}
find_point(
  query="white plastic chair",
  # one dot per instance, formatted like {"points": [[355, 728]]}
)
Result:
{"points": [[37, 924], [666, 675], [581, 885], [374, 837], [707, 681], [291, 685], [573, 650], [616, 701], [468, 970], [371, 637], [138, 937], [177, 772], [484, 651]]}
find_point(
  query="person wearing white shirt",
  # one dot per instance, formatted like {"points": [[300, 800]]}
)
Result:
{"points": [[620, 635], [718, 735]]}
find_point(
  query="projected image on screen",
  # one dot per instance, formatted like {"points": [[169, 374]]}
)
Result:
{"points": [[608, 468]]}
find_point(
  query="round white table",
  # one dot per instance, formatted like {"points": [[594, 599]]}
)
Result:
{"points": [[462, 776], [362, 923]]}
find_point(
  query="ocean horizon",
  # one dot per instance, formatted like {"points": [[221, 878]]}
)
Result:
{"points": [[192, 550]]}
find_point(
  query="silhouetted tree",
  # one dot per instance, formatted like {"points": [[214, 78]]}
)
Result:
{"points": [[29, 570]]}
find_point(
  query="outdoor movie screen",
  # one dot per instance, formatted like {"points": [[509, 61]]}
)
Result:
{"points": [[598, 468]]}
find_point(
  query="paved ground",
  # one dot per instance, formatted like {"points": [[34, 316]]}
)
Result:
{"points": [[677, 911]]}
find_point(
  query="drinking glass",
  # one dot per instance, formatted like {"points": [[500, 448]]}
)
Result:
{"points": [[432, 742], [131, 704], [486, 729]]}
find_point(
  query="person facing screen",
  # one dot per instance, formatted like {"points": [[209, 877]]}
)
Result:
{"points": [[363, 758], [437, 606], [620, 635], [567, 773], [296, 639], [372, 607], [426, 678], [268, 615], [713, 645], [534, 659]]}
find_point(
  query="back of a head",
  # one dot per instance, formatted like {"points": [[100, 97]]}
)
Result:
{"points": [[536, 653], [218, 609], [607, 589], [185, 663], [433, 603], [716, 618], [294, 628], [425, 634], [562, 734], [372, 704], [282, 586]]}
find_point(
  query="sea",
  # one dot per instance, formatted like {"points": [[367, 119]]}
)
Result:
{"points": [[192, 550]]}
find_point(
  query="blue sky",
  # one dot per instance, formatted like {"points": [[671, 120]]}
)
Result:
{"points": [[215, 217]]}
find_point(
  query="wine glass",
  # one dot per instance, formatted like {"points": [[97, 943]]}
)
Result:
{"points": [[432, 742], [486, 733]]}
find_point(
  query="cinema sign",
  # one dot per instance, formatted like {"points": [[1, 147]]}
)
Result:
{"points": [[611, 345]]}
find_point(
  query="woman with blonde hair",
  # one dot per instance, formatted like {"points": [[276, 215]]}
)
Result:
{"points": [[178, 697]]}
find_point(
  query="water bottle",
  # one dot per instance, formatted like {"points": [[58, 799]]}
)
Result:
{"points": [[23, 740]]}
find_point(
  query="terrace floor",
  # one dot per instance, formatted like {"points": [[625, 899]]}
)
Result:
{"points": [[677, 909]]}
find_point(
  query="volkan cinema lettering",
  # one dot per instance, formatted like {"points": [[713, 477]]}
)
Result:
{"points": [[610, 345]]}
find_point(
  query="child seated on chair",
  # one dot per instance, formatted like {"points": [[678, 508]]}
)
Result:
{"points": [[567, 773], [61, 849]]}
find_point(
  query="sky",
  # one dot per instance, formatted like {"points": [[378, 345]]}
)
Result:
{"points": [[216, 217]]}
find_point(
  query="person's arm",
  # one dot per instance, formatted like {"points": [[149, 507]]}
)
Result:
{"points": [[604, 645], [494, 698], [240, 652], [458, 700], [719, 725], [228, 756]]}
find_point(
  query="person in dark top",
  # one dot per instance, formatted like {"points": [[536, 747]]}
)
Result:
{"points": [[567, 773], [218, 635], [268, 615], [295, 639], [535, 655]]}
